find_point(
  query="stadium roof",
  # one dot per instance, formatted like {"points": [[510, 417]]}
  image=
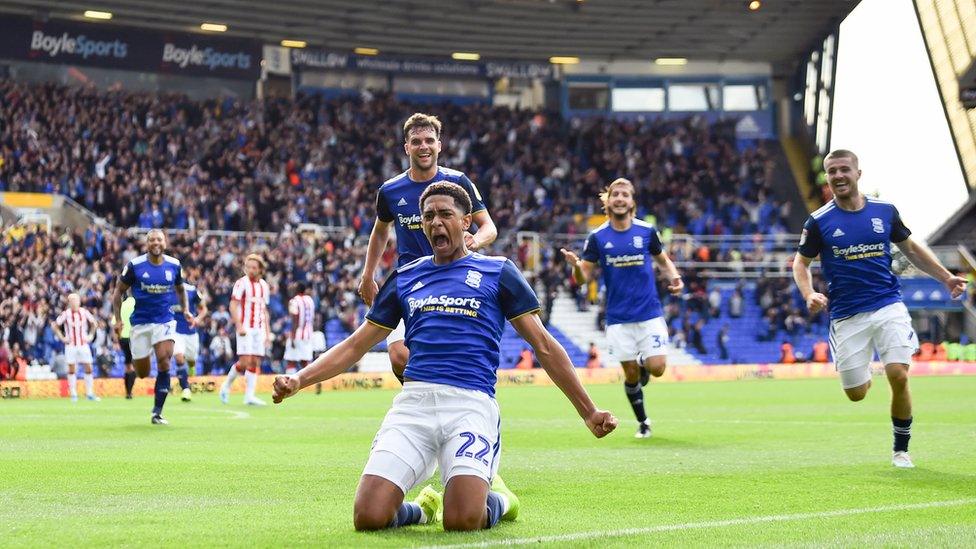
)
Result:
{"points": [[778, 33]]}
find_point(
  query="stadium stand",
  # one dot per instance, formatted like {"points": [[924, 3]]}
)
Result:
{"points": [[206, 169]]}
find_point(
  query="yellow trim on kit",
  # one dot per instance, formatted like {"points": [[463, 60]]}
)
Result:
{"points": [[380, 325], [536, 310]]}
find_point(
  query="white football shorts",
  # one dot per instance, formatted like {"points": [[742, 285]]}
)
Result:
{"points": [[187, 345], [143, 337], [77, 354], [251, 343], [854, 340], [432, 425], [297, 350], [647, 338]]}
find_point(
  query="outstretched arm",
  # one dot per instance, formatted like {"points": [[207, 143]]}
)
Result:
{"points": [[922, 257], [556, 362], [582, 269], [333, 362]]}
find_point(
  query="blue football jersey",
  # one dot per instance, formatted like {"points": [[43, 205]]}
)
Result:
{"points": [[454, 315], [192, 299], [626, 259], [855, 254], [153, 287], [398, 202]]}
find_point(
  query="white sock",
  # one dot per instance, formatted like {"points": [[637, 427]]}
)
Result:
{"points": [[251, 382], [423, 516], [90, 384], [231, 376], [72, 384], [506, 505]]}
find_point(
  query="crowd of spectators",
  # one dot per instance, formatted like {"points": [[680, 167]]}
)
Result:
{"points": [[149, 160], [270, 166], [39, 269]]}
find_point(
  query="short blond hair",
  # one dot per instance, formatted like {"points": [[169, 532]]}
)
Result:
{"points": [[605, 194], [421, 120]]}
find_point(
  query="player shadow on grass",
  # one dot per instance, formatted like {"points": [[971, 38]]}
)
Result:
{"points": [[923, 480], [658, 441]]}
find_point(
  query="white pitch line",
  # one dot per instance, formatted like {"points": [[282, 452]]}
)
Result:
{"points": [[579, 536], [237, 414]]}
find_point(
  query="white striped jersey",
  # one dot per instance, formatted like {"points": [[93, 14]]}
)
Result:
{"points": [[77, 325], [253, 297], [303, 306]]}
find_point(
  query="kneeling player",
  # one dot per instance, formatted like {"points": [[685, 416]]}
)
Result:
{"points": [[454, 304]]}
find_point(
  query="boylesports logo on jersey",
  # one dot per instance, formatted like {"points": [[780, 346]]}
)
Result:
{"points": [[467, 306], [411, 222], [860, 251], [631, 260], [156, 288]]}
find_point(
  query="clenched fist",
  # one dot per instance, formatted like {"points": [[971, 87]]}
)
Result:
{"points": [[284, 387], [601, 423]]}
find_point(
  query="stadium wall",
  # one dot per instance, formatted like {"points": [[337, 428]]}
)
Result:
{"points": [[506, 378]]}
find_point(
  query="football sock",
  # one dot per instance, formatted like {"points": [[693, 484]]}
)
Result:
{"points": [[90, 384], [232, 374], [162, 390], [72, 384], [497, 506], [183, 375], [903, 433], [130, 381], [251, 383], [409, 513], [635, 394]]}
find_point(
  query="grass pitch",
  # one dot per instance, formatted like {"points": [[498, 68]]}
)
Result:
{"points": [[767, 463]]}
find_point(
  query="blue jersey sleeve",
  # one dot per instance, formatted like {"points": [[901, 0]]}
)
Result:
{"points": [[383, 211], [515, 295], [899, 232], [477, 203], [179, 275], [386, 311], [591, 250], [811, 241], [655, 246], [128, 275]]}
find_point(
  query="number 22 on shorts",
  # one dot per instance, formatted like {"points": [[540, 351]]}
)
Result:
{"points": [[470, 438]]}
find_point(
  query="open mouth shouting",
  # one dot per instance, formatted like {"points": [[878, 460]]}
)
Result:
{"points": [[440, 241]]}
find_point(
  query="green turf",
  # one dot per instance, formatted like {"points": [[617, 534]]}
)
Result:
{"points": [[757, 463]]}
